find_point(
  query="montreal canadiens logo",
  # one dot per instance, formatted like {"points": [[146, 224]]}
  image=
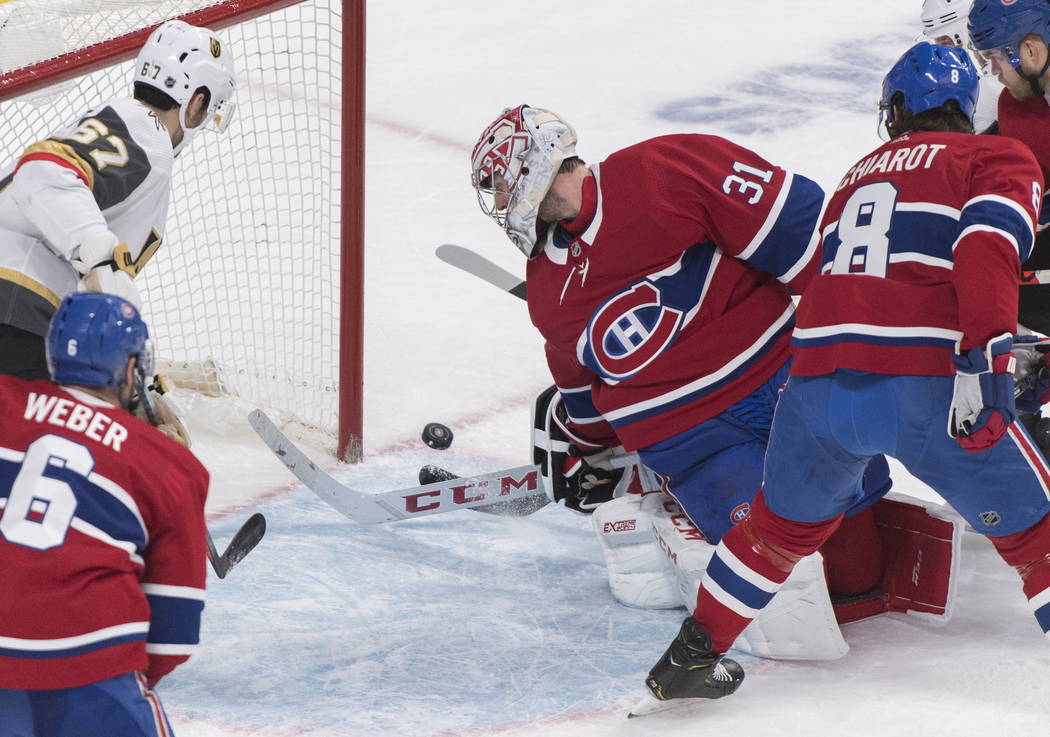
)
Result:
{"points": [[630, 330], [739, 513]]}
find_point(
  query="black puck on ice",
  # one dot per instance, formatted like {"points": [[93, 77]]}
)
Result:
{"points": [[437, 436]]}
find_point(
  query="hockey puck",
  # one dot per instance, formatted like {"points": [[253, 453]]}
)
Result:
{"points": [[437, 436]]}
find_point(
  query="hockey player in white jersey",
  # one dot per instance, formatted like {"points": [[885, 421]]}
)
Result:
{"points": [[944, 23], [85, 207]]}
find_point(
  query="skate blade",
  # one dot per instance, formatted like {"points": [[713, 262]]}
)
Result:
{"points": [[649, 704]]}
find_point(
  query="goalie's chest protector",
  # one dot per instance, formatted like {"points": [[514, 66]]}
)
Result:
{"points": [[664, 288]]}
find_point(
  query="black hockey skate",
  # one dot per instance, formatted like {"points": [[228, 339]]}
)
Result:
{"points": [[689, 670]]}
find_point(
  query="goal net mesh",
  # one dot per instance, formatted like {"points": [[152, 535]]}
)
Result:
{"points": [[243, 297]]}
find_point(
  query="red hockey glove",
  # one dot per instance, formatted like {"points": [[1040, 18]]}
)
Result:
{"points": [[983, 401]]}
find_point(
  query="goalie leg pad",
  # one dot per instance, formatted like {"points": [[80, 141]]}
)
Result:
{"points": [[797, 624], [640, 575], [921, 543]]}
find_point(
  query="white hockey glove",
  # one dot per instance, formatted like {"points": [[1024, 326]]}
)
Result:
{"points": [[161, 413], [576, 474], [101, 260]]}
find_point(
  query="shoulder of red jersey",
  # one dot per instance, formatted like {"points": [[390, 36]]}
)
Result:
{"points": [[719, 152], [97, 423]]}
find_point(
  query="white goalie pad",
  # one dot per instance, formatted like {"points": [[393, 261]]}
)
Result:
{"points": [[656, 558], [640, 574]]}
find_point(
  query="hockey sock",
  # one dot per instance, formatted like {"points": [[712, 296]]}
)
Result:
{"points": [[1028, 551], [749, 566]]}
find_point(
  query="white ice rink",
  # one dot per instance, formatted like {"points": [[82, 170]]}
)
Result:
{"points": [[470, 625]]}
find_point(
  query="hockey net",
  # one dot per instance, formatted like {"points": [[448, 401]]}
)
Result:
{"points": [[244, 298]]}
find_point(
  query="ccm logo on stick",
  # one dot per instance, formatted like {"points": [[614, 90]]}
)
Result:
{"points": [[464, 493]]}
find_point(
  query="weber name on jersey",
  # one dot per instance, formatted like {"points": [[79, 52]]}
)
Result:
{"points": [[111, 169], [916, 258], [666, 300], [102, 541]]}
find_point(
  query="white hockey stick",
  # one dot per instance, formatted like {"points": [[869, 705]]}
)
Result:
{"points": [[478, 265], [367, 508]]}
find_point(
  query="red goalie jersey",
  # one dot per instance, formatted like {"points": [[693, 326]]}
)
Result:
{"points": [[666, 300], [102, 541]]}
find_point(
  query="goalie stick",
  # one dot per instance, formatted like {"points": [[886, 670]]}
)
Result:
{"points": [[521, 507], [249, 534], [476, 264], [243, 542], [367, 508], [479, 266]]}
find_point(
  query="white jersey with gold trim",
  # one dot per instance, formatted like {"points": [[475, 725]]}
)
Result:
{"points": [[109, 170]]}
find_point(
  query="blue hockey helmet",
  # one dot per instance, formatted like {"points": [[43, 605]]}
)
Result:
{"points": [[1000, 25], [91, 338], [926, 77]]}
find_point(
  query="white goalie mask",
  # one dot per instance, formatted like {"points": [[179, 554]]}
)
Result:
{"points": [[178, 59], [946, 18], [513, 166]]}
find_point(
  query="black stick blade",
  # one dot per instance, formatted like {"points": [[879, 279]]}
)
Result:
{"points": [[245, 540]]}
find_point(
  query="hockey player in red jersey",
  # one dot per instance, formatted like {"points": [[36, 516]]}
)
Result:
{"points": [[1013, 37], [86, 206], [661, 279], [102, 537], [903, 347]]}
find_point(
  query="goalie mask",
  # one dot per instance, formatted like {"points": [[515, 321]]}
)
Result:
{"points": [[513, 166], [178, 59]]}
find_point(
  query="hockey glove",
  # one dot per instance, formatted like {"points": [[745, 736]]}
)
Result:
{"points": [[101, 260], [576, 474], [161, 413], [1031, 376], [983, 401]]}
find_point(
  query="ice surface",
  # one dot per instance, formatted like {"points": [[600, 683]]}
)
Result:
{"points": [[472, 625]]}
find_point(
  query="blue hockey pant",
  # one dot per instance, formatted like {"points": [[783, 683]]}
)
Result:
{"points": [[714, 470], [123, 706], [828, 429]]}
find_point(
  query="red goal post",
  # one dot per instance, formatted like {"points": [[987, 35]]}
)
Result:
{"points": [[258, 291]]}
